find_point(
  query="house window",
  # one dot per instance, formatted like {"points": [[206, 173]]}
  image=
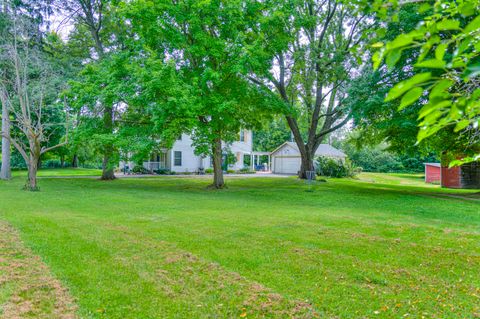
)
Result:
{"points": [[177, 158], [242, 136]]}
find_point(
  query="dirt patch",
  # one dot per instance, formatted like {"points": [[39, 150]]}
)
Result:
{"points": [[27, 288]]}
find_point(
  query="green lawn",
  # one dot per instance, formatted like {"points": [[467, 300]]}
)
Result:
{"points": [[54, 172], [382, 246]]}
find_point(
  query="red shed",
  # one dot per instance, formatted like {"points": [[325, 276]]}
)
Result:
{"points": [[433, 172], [465, 176]]}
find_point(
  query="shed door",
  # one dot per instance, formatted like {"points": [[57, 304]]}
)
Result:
{"points": [[287, 165]]}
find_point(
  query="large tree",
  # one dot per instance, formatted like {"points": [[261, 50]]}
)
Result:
{"points": [[94, 34], [197, 48], [315, 47], [30, 89], [5, 170]]}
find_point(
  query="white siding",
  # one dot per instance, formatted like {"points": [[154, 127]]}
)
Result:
{"points": [[286, 158], [241, 149], [190, 161]]}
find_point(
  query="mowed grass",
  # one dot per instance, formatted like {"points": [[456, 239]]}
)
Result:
{"points": [[61, 172], [382, 246]]}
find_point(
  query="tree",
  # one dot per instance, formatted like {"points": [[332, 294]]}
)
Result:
{"points": [[194, 49], [92, 18], [447, 73], [30, 92], [5, 170], [272, 135], [315, 47]]}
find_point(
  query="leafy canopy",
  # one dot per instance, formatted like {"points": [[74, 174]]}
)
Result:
{"points": [[447, 70]]}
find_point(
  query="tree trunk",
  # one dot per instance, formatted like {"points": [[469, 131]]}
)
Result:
{"points": [[5, 171], [39, 164], [218, 181], [62, 161], [32, 175], [108, 173], [108, 166], [75, 160], [307, 164]]}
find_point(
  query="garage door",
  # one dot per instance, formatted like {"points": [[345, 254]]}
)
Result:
{"points": [[287, 165]]}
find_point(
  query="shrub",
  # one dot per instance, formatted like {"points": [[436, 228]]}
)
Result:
{"points": [[246, 170], [209, 171], [52, 163], [334, 168], [230, 171], [140, 170], [163, 171]]}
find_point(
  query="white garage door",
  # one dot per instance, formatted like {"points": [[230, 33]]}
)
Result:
{"points": [[287, 165]]}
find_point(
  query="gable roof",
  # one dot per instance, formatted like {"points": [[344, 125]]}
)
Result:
{"points": [[322, 150]]}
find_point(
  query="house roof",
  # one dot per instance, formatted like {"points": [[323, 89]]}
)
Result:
{"points": [[322, 150], [433, 164]]}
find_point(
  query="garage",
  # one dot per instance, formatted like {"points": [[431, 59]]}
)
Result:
{"points": [[286, 165], [286, 158]]}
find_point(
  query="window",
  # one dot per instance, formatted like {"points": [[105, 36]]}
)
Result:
{"points": [[242, 136], [177, 158]]}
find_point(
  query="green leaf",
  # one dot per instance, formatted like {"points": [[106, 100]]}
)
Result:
{"points": [[473, 26], [393, 57], [464, 45], [431, 64], [424, 8], [448, 24], [431, 107], [467, 9], [439, 89], [425, 132], [472, 71], [401, 41], [377, 45], [411, 97], [377, 59], [461, 125], [400, 88], [440, 51]]}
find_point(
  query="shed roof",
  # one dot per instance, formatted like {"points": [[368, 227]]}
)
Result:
{"points": [[432, 164], [322, 150]]}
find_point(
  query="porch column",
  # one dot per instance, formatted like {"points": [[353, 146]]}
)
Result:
{"points": [[269, 168]]}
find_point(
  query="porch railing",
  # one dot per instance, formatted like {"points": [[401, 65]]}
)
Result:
{"points": [[154, 166]]}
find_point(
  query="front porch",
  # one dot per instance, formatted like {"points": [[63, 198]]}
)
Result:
{"points": [[157, 162], [257, 162]]}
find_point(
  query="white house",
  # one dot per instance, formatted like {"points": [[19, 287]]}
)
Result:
{"points": [[286, 158], [181, 157]]}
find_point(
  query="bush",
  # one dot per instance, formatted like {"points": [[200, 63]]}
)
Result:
{"points": [[209, 171], [230, 171], [246, 170], [162, 171], [53, 163], [140, 170], [335, 168]]}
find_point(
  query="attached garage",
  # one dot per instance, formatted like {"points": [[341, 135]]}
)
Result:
{"points": [[286, 158]]}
